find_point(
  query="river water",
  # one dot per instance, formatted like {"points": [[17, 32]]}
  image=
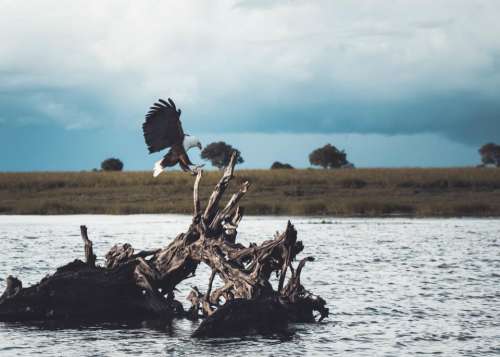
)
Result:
{"points": [[395, 287]]}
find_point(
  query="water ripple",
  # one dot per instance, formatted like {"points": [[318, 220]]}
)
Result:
{"points": [[394, 286]]}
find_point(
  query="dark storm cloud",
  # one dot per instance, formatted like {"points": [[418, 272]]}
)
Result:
{"points": [[371, 67], [462, 116], [63, 107]]}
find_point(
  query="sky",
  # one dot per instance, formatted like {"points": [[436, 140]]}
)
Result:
{"points": [[395, 83]]}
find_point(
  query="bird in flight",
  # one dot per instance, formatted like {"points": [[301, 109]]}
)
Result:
{"points": [[163, 129]]}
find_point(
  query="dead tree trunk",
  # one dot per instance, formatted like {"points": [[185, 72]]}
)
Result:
{"points": [[141, 285]]}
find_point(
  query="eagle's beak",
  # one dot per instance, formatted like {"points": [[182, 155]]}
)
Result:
{"points": [[199, 146]]}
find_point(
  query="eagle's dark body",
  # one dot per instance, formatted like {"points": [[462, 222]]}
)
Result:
{"points": [[176, 156]]}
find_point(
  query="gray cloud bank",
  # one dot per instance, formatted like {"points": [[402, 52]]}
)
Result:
{"points": [[391, 67]]}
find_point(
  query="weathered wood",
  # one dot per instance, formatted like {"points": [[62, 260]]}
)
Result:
{"points": [[121, 253], [14, 285], [90, 257], [224, 214], [241, 316], [141, 284], [210, 282], [220, 188], [196, 198], [78, 292]]}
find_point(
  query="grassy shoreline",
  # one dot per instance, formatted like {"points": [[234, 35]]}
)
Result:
{"points": [[440, 192]]}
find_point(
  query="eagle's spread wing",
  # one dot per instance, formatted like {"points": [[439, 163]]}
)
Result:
{"points": [[162, 127]]}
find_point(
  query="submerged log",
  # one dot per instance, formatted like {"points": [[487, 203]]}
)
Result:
{"points": [[79, 292], [242, 317], [141, 285]]}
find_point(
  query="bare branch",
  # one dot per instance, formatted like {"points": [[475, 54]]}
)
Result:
{"points": [[219, 190], [210, 282], [233, 202], [287, 259], [196, 197], [90, 257], [237, 216]]}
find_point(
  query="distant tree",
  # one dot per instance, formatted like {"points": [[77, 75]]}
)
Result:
{"points": [[279, 166], [490, 154], [219, 154], [328, 157], [112, 164]]}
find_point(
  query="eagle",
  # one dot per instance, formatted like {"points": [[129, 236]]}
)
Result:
{"points": [[163, 129]]}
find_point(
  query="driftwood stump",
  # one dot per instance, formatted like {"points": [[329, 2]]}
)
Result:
{"points": [[140, 285]]}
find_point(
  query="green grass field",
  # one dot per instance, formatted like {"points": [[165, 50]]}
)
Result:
{"points": [[359, 192]]}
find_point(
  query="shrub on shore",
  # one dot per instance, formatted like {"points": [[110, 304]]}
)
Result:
{"points": [[112, 164], [280, 166]]}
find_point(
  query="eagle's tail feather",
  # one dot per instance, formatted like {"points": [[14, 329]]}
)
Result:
{"points": [[158, 168]]}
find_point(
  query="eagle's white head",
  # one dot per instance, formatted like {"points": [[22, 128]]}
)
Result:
{"points": [[191, 142]]}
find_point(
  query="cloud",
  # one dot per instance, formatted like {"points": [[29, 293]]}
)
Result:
{"points": [[399, 67], [265, 4]]}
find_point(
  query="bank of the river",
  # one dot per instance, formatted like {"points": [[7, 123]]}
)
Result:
{"points": [[359, 192]]}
